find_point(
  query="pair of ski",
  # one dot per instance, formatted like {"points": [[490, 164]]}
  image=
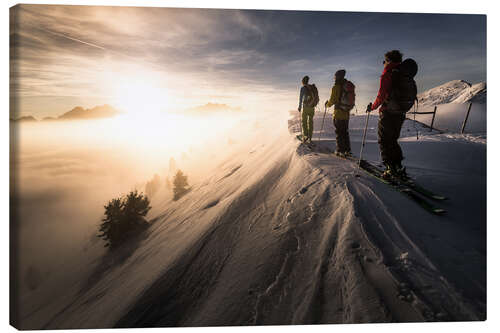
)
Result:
{"points": [[412, 190], [408, 187]]}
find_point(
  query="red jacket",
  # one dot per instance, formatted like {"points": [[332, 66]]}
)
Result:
{"points": [[385, 87]]}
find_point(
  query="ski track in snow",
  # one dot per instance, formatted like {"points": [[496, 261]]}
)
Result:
{"points": [[283, 234]]}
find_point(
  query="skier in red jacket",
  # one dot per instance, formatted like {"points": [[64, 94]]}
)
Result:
{"points": [[390, 123]]}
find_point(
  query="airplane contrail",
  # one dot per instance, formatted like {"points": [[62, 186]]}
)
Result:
{"points": [[83, 42], [73, 39], [36, 26], [60, 34]]}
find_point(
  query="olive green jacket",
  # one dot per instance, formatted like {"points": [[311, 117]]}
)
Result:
{"points": [[335, 100]]}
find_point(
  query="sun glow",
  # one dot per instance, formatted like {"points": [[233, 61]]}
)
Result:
{"points": [[139, 91], [141, 97], [152, 119]]}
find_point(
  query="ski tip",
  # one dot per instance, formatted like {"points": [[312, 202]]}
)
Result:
{"points": [[438, 211]]}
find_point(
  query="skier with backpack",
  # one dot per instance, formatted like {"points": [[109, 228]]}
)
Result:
{"points": [[307, 101], [396, 96], [342, 97]]}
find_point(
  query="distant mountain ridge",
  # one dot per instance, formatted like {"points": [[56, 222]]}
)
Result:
{"points": [[78, 113], [100, 111], [456, 91], [213, 107], [24, 119]]}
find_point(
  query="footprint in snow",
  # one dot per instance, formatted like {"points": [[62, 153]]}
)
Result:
{"points": [[211, 204], [231, 172]]}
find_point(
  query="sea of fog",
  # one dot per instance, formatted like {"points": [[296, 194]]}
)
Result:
{"points": [[63, 172]]}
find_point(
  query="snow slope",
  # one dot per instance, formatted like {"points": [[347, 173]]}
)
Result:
{"points": [[476, 93], [452, 100], [457, 91], [279, 234], [450, 118]]}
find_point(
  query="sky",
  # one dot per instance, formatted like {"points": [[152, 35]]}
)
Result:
{"points": [[168, 59]]}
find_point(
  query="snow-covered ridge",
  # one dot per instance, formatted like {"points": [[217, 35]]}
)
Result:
{"points": [[456, 91], [278, 233]]}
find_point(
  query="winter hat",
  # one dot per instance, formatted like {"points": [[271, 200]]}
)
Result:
{"points": [[340, 74]]}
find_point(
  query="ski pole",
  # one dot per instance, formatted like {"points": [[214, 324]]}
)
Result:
{"points": [[414, 119], [364, 135], [300, 122], [322, 123]]}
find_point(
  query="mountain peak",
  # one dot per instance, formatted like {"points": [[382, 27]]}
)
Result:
{"points": [[99, 111], [457, 82], [456, 91]]}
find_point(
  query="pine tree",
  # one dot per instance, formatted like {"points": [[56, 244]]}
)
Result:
{"points": [[180, 185], [123, 218]]}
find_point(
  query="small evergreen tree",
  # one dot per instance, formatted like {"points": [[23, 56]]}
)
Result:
{"points": [[180, 185], [124, 217]]}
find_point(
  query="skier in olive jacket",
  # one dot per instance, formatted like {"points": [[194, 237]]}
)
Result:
{"points": [[390, 123], [340, 116]]}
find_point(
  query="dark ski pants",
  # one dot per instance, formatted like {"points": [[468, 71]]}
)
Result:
{"points": [[389, 128], [307, 121], [342, 132]]}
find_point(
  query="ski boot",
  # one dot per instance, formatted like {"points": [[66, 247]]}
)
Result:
{"points": [[395, 171], [389, 172], [400, 172], [347, 154], [339, 154]]}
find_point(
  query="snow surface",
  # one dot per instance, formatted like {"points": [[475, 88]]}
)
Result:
{"points": [[280, 234], [457, 91], [450, 118]]}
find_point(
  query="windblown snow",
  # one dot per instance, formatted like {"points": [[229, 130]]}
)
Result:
{"points": [[282, 234]]}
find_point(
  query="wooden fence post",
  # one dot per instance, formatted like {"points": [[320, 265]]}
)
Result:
{"points": [[433, 116], [466, 117]]}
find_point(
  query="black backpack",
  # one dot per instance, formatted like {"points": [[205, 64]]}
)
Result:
{"points": [[404, 88], [312, 97]]}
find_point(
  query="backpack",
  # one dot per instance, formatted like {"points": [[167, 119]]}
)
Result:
{"points": [[312, 97], [404, 88], [347, 97]]}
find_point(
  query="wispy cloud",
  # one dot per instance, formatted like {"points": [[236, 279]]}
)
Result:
{"points": [[85, 51]]}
